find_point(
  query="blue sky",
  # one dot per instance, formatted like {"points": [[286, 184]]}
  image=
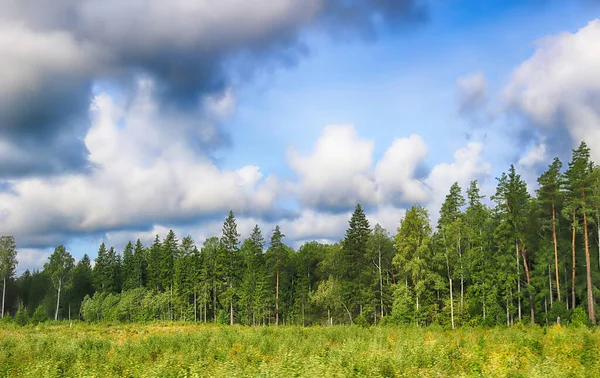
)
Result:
{"points": [[288, 115]]}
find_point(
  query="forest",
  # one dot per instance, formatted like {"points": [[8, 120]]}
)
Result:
{"points": [[517, 257]]}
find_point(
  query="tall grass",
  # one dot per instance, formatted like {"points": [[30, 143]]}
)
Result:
{"points": [[189, 350]]}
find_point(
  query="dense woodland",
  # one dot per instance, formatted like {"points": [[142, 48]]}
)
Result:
{"points": [[526, 258]]}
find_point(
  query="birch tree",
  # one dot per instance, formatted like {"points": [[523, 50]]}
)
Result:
{"points": [[59, 268], [8, 263]]}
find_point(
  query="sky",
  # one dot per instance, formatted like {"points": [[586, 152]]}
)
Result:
{"points": [[122, 120]]}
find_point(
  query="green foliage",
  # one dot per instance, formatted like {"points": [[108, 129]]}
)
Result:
{"points": [[21, 317], [524, 258], [579, 317], [169, 350], [39, 315]]}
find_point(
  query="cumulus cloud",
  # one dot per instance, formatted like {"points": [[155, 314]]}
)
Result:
{"points": [[557, 90], [340, 172], [54, 52], [144, 171], [468, 165], [536, 155], [395, 172]]}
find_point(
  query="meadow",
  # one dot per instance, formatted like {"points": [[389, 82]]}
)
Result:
{"points": [[199, 350]]}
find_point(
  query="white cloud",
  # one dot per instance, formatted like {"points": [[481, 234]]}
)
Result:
{"points": [[536, 155], [30, 59], [467, 166], [395, 172], [338, 173], [559, 86], [145, 171]]}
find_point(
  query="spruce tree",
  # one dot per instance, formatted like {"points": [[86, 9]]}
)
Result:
{"points": [[82, 283], [155, 265], [101, 276], [231, 262], [277, 248], [138, 274], [252, 252], [128, 271], [355, 281]]}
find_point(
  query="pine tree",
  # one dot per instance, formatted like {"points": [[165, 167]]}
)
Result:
{"points": [[8, 263], [549, 195], [512, 199], [578, 182]]}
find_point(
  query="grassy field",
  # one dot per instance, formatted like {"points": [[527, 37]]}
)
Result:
{"points": [[184, 350]]}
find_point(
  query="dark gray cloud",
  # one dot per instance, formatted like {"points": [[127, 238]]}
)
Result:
{"points": [[53, 51]]}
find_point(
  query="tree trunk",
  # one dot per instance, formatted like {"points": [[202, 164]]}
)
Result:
{"points": [[462, 277], [588, 266], [483, 307], [450, 282], [555, 253], [3, 295], [574, 266], [195, 308], [531, 304], [451, 290], [380, 282], [58, 299], [598, 229], [550, 284], [231, 310], [451, 303], [215, 302], [277, 290], [518, 280], [507, 314]]}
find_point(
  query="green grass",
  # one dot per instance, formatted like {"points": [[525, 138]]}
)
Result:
{"points": [[188, 350]]}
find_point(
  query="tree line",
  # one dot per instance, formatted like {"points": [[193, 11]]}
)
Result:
{"points": [[527, 257]]}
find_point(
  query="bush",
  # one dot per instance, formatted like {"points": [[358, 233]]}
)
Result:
{"points": [[39, 315], [21, 317], [579, 318]]}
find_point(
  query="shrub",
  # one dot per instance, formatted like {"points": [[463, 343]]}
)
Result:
{"points": [[39, 315]]}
